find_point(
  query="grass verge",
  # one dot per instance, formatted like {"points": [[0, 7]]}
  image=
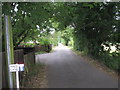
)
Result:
{"points": [[100, 65], [36, 69], [40, 52]]}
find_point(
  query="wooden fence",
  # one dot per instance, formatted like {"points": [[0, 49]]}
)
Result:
{"points": [[24, 55], [46, 48], [19, 57], [29, 60]]}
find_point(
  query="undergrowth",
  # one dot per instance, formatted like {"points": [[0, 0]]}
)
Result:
{"points": [[112, 61], [35, 69]]}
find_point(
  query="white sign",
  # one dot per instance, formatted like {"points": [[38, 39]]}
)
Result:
{"points": [[16, 68], [21, 67], [13, 67]]}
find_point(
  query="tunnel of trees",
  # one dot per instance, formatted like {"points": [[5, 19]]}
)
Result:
{"points": [[92, 28]]}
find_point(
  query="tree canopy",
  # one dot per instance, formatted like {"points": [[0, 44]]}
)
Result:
{"points": [[92, 25]]}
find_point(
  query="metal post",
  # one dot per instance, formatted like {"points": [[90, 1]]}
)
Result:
{"points": [[17, 76], [8, 48], [0, 45]]}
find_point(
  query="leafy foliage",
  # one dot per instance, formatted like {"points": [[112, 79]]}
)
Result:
{"points": [[67, 35], [89, 25]]}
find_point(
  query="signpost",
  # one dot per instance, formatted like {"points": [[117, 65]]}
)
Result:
{"points": [[16, 68], [9, 49]]}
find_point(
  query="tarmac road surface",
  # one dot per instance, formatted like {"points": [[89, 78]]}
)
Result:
{"points": [[67, 70]]}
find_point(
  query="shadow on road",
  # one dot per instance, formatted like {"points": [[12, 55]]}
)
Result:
{"points": [[67, 70]]}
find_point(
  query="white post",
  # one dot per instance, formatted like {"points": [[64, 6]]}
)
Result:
{"points": [[17, 76]]}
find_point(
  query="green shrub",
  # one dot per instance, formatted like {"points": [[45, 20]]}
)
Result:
{"points": [[44, 40], [112, 61]]}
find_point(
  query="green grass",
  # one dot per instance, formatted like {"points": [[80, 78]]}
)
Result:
{"points": [[70, 47], [40, 52], [35, 69]]}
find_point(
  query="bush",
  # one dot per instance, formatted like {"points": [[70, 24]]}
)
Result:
{"points": [[44, 41], [111, 60]]}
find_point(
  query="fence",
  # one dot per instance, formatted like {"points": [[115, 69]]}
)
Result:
{"points": [[26, 49], [29, 60], [24, 55], [20, 56], [46, 48]]}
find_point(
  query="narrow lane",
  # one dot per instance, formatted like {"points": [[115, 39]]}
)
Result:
{"points": [[67, 70]]}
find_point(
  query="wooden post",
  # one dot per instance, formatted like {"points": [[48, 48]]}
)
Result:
{"points": [[9, 49]]}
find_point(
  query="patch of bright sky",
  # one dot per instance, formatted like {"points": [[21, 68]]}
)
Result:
{"points": [[113, 48], [53, 0], [52, 30], [15, 9], [32, 42], [108, 0], [38, 27], [71, 27], [105, 1]]}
